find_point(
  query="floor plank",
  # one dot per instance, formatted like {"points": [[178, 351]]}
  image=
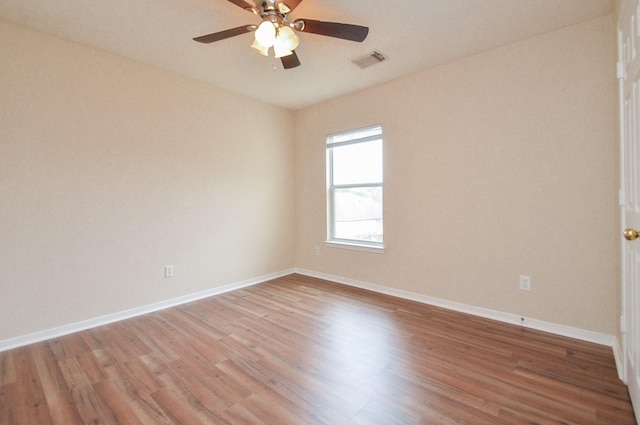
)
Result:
{"points": [[299, 350]]}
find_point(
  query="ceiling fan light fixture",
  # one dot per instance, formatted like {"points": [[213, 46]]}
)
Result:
{"points": [[266, 34], [263, 50], [280, 48], [288, 37]]}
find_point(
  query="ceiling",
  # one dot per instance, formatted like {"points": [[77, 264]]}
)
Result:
{"points": [[414, 35]]}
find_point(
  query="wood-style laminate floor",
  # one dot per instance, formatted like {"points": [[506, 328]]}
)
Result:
{"points": [[298, 350]]}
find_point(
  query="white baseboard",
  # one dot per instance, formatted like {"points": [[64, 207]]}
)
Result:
{"points": [[23, 340], [618, 356], [554, 328], [598, 338]]}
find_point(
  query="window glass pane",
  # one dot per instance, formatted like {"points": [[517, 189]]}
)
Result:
{"points": [[357, 163], [358, 214]]}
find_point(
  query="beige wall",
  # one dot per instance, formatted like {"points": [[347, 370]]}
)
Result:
{"points": [[496, 165], [110, 170], [500, 164]]}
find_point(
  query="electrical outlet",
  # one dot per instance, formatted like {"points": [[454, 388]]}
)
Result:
{"points": [[525, 283], [168, 271], [317, 250]]}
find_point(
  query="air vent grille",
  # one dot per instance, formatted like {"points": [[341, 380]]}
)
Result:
{"points": [[369, 59]]}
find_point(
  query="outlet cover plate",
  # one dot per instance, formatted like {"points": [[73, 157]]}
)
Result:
{"points": [[168, 271], [525, 283]]}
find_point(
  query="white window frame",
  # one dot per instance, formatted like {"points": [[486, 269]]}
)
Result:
{"points": [[342, 139]]}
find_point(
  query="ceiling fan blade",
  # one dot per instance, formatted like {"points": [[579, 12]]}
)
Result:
{"points": [[334, 29], [246, 6], [290, 61], [286, 6], [216, 36]]}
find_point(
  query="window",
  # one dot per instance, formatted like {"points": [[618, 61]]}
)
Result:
{"points": [[354, 187]]}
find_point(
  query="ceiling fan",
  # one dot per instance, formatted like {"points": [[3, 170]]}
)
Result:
{"points": [[278, 31]]}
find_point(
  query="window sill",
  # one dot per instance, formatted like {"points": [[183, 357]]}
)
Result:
{"points": [[355, 247]]}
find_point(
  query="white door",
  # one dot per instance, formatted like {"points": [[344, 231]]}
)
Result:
{"points": [[629, 77]]}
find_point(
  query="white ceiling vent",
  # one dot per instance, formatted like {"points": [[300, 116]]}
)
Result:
{"points": [[369, 59]]}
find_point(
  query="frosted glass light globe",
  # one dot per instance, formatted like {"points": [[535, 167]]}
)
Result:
{"points": [[266, 34]]}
